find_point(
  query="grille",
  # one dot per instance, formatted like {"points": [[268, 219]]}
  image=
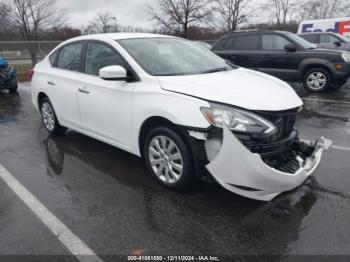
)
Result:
{"points": [[284, 122]]}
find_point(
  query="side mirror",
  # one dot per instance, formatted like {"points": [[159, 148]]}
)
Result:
{"points": [[290, 47], [113, 73], [337, 43]]}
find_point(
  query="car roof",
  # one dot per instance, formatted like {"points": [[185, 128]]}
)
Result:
{"points": [[318, 33], [256, 31], [118, 36]]}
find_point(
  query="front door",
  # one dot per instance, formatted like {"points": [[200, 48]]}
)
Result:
{"points": [[275, 60], [105, 106]]}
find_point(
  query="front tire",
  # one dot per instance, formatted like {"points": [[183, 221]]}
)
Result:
{"points": [[168, 158], [49, 118], [317, 80]]}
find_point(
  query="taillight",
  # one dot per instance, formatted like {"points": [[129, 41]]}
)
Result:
{"points": [[31, 74]]}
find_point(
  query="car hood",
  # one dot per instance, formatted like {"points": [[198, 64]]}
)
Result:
{"points": [[239, 87]]}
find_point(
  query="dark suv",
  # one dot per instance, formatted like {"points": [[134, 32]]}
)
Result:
{"points": [[286, 56], [328, 40]]}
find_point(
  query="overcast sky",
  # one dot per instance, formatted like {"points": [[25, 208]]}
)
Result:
{"points": [[128, 12]]}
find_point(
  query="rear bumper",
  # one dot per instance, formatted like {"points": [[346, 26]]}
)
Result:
{"points": [[245, 173]]}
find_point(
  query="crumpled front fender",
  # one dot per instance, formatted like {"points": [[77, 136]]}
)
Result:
{"points": [[245, 173]]}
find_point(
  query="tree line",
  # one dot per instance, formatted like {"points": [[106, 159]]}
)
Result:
{"points": [[35, 20]]}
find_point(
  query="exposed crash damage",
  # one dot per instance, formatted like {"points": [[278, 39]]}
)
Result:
{"points": [[253, 172], [259, 179], [264, 162]]}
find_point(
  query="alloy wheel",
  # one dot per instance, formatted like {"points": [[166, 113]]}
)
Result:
{"points": [[48, 116], [316, 80], [166, 159]]}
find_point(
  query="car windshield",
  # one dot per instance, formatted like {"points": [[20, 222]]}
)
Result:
{"points": [[301, 41], [345, 39], [173, 56]]}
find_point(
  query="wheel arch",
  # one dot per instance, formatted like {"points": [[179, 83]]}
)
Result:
{"points": [[40, 98], [309, 64], [155, 121]]}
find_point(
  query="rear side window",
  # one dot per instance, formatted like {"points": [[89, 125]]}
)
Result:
{"points": [[246, 43], [69, 57], [311, 38], [229, 43], [274, 42], [100, 55], [328, 39]]}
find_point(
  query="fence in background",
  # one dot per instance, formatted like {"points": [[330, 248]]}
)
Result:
{"points": [[18, 52]]}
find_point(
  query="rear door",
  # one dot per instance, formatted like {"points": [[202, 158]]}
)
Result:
{"points": [[241, 50], [63, 82], [275, 60]]}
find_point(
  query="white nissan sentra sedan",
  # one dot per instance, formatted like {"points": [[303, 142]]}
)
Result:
{"points": [[190, 114]]}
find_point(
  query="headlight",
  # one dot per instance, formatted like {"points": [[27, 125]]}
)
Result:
{"points": [[346, 57], [237, 120]]}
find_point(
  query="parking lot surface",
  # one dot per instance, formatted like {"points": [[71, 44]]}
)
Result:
{"points": [[108, 201]]}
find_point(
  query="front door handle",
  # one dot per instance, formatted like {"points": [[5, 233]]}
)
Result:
{"points": [[51, 83], [84, 90]]}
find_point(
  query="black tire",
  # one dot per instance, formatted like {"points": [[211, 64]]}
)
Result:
{"points": [[13, 86], [54, 127], [187, 175], [326, 76]]}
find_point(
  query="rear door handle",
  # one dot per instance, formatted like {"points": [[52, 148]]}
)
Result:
{"points": [[51, 83], [84, 90]]}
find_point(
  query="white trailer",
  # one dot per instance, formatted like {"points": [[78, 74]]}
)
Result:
{"points": [[335, 25]]}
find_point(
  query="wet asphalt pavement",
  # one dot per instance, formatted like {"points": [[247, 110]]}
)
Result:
{"points": [[107, 199]]}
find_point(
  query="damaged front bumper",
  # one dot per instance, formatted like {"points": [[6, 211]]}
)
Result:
{"points": [[245, 173]]}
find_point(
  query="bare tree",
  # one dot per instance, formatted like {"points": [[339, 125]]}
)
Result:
{"points": [[282, 11], [5, 12], [31, 18], [232, 13], [103, 23], [321, 9], [178, 15]]}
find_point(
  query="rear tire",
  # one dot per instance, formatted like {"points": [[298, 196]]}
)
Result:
{"points": [[168, 158], [49, 118], [317, 80], [13, 86]]}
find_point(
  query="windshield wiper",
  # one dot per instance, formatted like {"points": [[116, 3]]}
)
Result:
{"points": [[214, 70]]}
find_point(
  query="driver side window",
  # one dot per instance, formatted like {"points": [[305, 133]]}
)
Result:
{"points": [[98, 56], [274, 42]]}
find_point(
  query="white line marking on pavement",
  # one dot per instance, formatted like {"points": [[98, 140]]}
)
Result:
{"points": [[325, 100], [67, 238], [335, 147], [341, 148]]}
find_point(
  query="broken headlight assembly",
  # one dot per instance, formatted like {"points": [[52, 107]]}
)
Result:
{"points": [[237, 120]]}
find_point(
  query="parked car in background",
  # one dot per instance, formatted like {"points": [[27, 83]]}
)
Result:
{"points": [[286, 56], [340, 26], [8, 75], [328, 40], [182, 108]]}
